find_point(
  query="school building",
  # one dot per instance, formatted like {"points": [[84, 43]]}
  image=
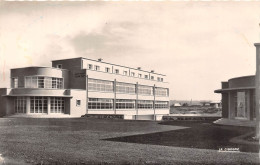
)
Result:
{"points": [[79, 86]]}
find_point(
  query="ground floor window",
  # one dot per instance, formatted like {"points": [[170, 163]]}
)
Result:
{"points": [[125, 104], [38, 104], [145, 104], [161, 104], [20, 105], [57, 105], [98, 103]]}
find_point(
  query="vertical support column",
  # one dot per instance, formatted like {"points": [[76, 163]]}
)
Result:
{"points": [[86, 94], [229, 105], [27, 104], [154, 88], [136, 102], [49, 105], [114, 102], [257, 82]]}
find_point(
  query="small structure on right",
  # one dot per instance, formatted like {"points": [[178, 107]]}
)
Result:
{"points": [[238, 98], [241, 99]]}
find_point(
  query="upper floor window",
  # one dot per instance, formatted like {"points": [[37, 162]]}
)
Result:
{"points": [[146, 76], [97, 67], [59, 66], [161, 91], [125, 73], [107, 70], [100, 85], [158, 79], [90, 66], [14, 82], [140, 75], [132, 74], [43, 82], [117, 71], [125, 88], [152, 77], [162, 79]]}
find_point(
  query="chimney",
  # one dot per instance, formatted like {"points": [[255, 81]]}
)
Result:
{"points": [[100, 59], [139, 68], [152, 71]]}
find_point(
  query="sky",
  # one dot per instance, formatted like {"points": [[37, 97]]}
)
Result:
{"points": [[196, 44]]}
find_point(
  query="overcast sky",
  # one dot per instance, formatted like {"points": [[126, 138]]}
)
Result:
{"points": [[196, 44]]}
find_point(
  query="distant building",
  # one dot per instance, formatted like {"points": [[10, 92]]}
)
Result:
{"points": [[215, 104], [82, 86]]}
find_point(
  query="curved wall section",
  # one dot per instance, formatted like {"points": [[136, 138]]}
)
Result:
{"points": [[21, 73], [246, 81]]}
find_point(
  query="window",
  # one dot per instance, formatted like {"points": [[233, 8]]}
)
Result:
{"points": [[117, 71], [57, 105], [100, 85], [161, 91], [100, 103], [78, 103], [14, 82], [140, 75], [132, 74], [145, 104], [158, 79], [125, 104], [146, 76], [152, 77], [43, 82], [125, 73], [162, 79], [90, 66], [97, 68], [161, 104], [20, 105], [38, 104], [145, 90], [107, 70], [125, 88], [59, 66]]}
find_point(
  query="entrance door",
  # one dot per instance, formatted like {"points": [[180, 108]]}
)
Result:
{"points": [[241, 107]]}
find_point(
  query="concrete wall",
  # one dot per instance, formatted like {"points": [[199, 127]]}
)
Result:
{"points": [[39, 92], [74, 109], [225, 105], [246, 81]]}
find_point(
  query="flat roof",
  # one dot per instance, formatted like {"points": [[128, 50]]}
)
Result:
{"points": [[13, 95], [110, 64], [39, 67], [231, 89]]}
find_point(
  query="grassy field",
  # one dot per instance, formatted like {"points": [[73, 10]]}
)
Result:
{"points": [[103, 141]]}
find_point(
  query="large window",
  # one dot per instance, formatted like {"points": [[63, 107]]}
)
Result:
{"points": [[38, 104], [125, 88], [14, 82], [125, 104], [57, 105], [20, 105], [145, 90], [100, 103], [161, 91], [145, 104], [161, 104], [43, 82], [100, 85]]}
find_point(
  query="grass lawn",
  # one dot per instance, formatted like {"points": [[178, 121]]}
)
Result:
{"points": [[101, 141]]}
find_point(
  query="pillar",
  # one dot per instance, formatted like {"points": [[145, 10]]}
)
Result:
{"points": [[49, 105], [257, 82], [27, 105]]}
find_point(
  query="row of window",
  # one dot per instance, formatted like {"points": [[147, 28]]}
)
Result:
{"points": [[40, 105], [124, 72], [107, 86], [40, 82], [102, 103]]}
